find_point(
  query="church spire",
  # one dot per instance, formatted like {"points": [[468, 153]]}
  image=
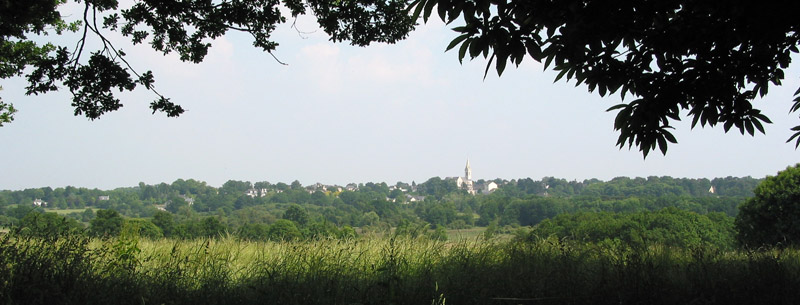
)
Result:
{"points": [[468, 171]]}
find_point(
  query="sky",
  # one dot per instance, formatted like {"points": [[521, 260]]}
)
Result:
{"points": [[337, 114]]}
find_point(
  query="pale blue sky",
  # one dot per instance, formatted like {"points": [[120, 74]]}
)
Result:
{"points": [[338, 114]]}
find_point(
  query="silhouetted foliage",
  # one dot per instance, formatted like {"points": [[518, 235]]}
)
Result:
{"points": [[707, 60], [183, 27]]}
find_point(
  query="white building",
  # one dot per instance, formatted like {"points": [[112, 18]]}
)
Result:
{"points": [[467, 184], [489, 187], [253, 193], [189, 200], [39, 203], [466, 181], [412, 198]]}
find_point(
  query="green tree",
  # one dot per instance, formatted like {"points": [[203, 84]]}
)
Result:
{"points": [[175, 203], [284, 229], [297, 214], [772, 217], [20, 211], [165, 222], [707, 60], [370, 218], [106, 223], [143, 228], [87, 215], [253, 231], [437, 187], [282, 186], [48, 224], [668, 226], [296, 185], [212, 227]]}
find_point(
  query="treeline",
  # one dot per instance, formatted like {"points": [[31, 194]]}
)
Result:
{"points": [[634, 187], [191, 208], [668, 227]]}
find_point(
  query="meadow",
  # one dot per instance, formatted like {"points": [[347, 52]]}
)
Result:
{"points": [[68, 211], [75, 269]]}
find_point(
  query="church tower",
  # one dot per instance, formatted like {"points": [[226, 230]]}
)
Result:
{"points": [[468, 179], [468, 172]]}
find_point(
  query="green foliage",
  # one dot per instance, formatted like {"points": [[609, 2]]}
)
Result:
{"points": [[165, 222], [143, 228], [491, 231], [391, 270], [436, 213], [254, 231], [106, 223], [522, 202], [206, 227], [48, 269], [284, 229], [440, 234], [6, 112], [125, 249], [175, 203], [183, 27], [87, 215], [408, 229], [48, 224], [708, 60], [437, 187], [668, 227], [296, 214], [772, 217]]}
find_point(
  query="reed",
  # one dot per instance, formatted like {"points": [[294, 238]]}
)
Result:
{"points": [[73, 269]]}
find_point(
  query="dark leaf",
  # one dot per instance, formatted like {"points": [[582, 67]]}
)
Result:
{"points": [[662, 144], [456, 41], [463, 50], [428, 9], [615, 107]]}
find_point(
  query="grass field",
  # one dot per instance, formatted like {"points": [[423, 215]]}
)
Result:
{"points": [[471, 234], [67, 211], [127, 270]]}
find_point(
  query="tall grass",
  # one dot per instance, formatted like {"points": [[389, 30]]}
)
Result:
{"points": [[385, 270]]}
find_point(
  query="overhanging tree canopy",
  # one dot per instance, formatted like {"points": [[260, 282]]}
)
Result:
{"points": [[185, 27], [707, 60], [710, 58]]}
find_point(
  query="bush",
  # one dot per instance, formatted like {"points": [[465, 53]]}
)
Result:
{"points": [[772, 217]]}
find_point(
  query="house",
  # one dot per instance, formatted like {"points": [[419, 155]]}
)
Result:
{"points": [[490, 187], [351, 187], [189, 200], [253, 192], [412, 198], [317, 187], [39, 203], [395, 187], [103, 198]]}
